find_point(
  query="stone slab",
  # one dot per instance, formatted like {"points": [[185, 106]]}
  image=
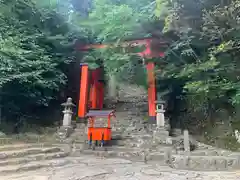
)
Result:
{"points": [[32, 166], [28, 151], [201, 163], [232, 163], [179, 162], [22, 146], [221, 163], [204, 163], [34, 157], [156, 157]]}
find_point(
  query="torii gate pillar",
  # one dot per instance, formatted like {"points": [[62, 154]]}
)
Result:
{"points": [[151, 92]]}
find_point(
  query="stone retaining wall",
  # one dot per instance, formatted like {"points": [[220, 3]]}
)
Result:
{"points": [[206, 163]]}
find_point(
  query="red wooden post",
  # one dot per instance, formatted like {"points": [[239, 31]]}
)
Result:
{"points": [[151, 91], [90, 96], [83, 94], [101, 95], [94, 96], [95, 89]]}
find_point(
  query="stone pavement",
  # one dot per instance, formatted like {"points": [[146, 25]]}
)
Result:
{"points": [[92, 168]]}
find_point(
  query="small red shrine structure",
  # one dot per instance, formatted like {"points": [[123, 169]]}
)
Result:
{"points": [[153, 48], [100, 134]]}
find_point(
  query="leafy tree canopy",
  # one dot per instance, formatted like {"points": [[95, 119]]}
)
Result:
{"points": [[36, 42]]}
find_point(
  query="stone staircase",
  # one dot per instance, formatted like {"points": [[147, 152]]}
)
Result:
{"points": [[130, 137], [206, 158], [134, 140], [142, 147], [23, 157]]}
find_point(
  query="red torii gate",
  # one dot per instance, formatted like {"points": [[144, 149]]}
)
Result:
{"points": [[152, 49]]}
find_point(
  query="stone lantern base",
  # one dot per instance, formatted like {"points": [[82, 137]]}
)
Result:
{"points": [[161, 135], [64, 132]]}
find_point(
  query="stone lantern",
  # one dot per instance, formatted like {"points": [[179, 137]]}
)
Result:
{"points": [[161, 133], [160, 114], [68, 112], [66, 129]]}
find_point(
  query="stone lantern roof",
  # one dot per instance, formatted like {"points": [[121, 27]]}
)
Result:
{"points": [[69, 103]]}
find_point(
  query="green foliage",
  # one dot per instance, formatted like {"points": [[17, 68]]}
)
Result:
{"points": [[203, 57], [112, 22], [36, 42]]}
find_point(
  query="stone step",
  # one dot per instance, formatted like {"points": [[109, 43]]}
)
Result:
{"points": [[28, 151], [134, 155], [23, 146], [159, 157], [212, 152], [33, 166], [35, 157], [118, 142], [126, 153], [78, 141], [134, 143], [112, 148]]}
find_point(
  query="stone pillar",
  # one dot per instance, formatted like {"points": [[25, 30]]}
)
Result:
{"points": [[68, 112], [186, 141], [112, 87], [160, 114]]}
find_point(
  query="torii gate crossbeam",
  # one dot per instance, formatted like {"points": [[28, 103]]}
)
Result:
{"points": [[152, 47]]}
